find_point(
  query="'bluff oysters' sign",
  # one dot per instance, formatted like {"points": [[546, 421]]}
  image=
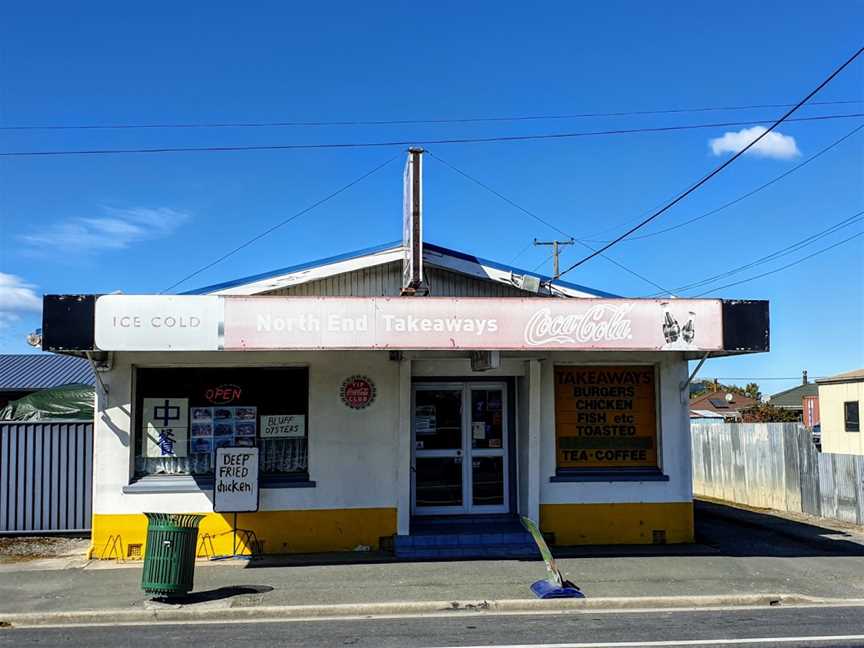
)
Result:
{"points": [[140, 323]]}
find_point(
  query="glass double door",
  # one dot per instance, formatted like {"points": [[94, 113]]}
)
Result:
{"points": [[460, 448]]}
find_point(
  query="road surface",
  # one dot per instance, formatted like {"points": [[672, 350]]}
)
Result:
{"points": [[789, 627]]}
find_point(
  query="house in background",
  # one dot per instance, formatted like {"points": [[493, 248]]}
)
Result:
{"points": [[720, 404], [793, 399], [23, 374], [840, 399]]}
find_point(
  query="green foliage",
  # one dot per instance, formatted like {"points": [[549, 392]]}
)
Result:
{"points": [[751, 390], [767, 413]]}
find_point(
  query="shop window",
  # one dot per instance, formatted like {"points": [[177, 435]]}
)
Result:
{"points": [[183, 415], [605, 419], [850, 416]]}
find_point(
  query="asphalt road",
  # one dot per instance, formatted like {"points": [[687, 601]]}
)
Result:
{"points": [[789, 627]]}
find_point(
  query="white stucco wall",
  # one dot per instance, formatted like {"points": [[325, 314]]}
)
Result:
{"points": [[352, 453], [354, 456]]}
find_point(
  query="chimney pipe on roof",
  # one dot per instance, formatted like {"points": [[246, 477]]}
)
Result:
{"points": [[804, 377]]}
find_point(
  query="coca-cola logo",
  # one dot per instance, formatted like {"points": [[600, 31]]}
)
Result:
{"points": [[600, 323], [357, 392]]}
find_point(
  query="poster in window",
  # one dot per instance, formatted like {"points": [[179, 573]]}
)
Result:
{"points": [[166, 426], [425, 420], [605, 417]]}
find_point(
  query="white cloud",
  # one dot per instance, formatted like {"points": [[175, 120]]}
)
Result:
{"points": [[117, 229], [773, 145], [16, 297]]}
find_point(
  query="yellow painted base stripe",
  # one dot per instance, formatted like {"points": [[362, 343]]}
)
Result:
{"points": [[273, 532], [580, 524]]}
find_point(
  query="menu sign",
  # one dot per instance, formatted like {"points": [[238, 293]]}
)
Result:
{"points": [[605, 417]]}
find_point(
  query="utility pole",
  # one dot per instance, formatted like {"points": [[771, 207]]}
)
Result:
{"points": [[555, 252]]}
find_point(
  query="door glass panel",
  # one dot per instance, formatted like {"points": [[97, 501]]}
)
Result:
{"points": [[438, 481], [487, 419], [488, 481], [438, 419]]}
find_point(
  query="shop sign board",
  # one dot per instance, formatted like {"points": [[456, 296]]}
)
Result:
{"points": [[235, 489], [157, 322], [466, 323], [605, 417], [283, 426], [210, 323]]}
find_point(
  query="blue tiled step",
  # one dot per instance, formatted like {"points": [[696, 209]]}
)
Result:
{"points": [[463, 539], [468, 551]]}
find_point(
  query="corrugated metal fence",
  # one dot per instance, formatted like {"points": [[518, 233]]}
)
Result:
{"points": [[46, 476], [776, 465]]}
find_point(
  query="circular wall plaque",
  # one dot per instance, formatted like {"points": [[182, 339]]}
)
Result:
{"points": [[357, 392]]}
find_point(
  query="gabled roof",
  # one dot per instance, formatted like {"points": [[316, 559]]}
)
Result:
{"points": [[850, 376], [792, 398], [435, 255], [23, 372]]}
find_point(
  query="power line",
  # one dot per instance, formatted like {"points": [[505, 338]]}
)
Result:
{"points": [[416, 142], [521, 252], [413, 122], [789, 249], [781, 268], [539, 219], [760, 378], [744, 196], [694, 187], [258, 237]]}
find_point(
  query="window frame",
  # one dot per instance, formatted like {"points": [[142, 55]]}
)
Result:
{"points": [[182, 483], [846, 418]]}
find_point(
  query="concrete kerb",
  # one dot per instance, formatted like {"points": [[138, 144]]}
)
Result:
{"points": [[186, 614]]}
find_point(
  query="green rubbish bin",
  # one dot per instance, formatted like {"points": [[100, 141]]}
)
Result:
{"points": [[169, 559]]}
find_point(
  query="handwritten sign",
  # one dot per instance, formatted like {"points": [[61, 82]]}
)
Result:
{"points": [[283, 426], [605, 417], [236, 486]]}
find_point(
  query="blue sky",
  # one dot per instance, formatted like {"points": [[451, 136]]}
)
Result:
{"points": [[138, 223]]}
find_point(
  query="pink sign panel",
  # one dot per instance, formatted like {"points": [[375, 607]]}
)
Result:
{"points": [[429, 323]]}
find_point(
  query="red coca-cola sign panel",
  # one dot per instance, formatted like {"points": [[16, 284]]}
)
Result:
{"points": [[357, 392]]}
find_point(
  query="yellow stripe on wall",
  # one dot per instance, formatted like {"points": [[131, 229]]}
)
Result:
{"points": [[307, 531], [580, 524]]}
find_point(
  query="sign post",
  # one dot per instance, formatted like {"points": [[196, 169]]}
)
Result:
{"points": [[235, 488]]}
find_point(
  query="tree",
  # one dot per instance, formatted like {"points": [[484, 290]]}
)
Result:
{"points": [[708, 386], [767, 413]]}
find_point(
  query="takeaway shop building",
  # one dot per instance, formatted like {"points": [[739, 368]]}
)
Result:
{"points": [[407, 397], [383, 415]]}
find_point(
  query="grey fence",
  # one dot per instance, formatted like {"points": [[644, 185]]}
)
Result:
{"points": [[776, 465], [46, 476]]}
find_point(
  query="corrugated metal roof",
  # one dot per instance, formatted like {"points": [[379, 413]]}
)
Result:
{"points": [[370, 252], [700, 413], [855, 374], [792, 397], [20, 372]]}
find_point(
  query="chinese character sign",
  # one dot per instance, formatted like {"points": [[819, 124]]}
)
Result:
{"points": [[166, 427]]}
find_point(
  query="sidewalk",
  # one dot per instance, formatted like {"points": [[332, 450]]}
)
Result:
{"points": [[735, 560]]}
